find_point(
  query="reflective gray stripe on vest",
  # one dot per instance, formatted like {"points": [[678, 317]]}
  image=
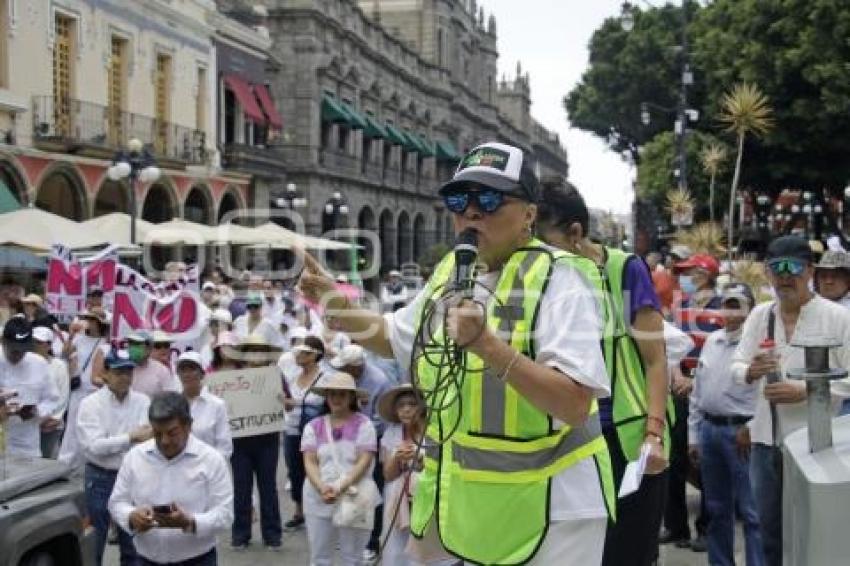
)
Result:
{"points": [[492, 461], [431, 449], [492, 389]]}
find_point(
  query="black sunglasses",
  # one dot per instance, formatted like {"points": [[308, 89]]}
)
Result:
{"points": [[488, 200]]}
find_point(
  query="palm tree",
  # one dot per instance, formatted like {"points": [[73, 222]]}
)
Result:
{"points": [[744, 110], [711, 157]]}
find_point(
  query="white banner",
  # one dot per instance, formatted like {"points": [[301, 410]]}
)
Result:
{"points": [[252, 398]]}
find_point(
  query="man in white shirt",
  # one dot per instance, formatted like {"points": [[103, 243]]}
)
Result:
{"points": [[797, 314], [52, 424], [173, 492], [110, 421], [27, 375], [393, 292]]}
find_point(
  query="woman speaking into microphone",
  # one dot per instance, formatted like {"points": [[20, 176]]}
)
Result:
{"points": [[509, 363]]}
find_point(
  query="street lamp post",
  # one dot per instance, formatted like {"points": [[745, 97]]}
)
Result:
{"points": [[683, 113], [336, 208], [292, 200], [135, 164]]}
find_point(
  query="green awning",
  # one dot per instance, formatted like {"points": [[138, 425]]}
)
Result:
{"points": [[427, 146], [332, 111], [374, 129], [358, 120], [8, 202], [413, 143], [395, 136], [446, 151]]}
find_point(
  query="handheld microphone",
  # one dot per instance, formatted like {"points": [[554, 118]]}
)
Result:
{"points": [[466, 252]]}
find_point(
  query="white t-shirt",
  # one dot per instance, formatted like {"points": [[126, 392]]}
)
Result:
{"points": [[85, 354], [315, 402], [567, 338], [31, 378], [59, 374], [264, 328], [354, 438]]}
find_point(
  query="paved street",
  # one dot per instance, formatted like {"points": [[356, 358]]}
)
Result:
{"points": [[294, 551]]}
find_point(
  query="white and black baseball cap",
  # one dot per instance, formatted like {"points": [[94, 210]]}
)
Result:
{"points": [[499, 166]]}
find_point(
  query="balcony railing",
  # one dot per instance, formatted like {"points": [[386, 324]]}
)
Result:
{"points": [[85, 124], [339, 162]]}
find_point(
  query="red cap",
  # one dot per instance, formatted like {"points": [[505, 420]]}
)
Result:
{"points": [[767, 343], [700, 261]]}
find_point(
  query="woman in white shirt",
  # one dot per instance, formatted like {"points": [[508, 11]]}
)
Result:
{"points": [[209, 413], [339, 452], [301, 406], [52, 425]]}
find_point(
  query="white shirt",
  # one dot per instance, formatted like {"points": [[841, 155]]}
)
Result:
{"points": [[210, 423], [264, 328], [197, 480], [31, 378], [59, 374], [104, 424], [85, 353], [567, 337], [818, 318]]}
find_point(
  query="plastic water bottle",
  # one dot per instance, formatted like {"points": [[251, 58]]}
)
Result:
{"points": [[768, 347]]}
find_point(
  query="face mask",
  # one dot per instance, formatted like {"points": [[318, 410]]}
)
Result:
{"points": [[137, 352], [686, 282]]}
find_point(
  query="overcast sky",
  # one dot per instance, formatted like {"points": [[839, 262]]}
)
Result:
{"points": [[550, 38]]}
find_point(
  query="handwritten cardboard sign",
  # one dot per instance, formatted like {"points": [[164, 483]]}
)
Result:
{"points": [[252, 400]]}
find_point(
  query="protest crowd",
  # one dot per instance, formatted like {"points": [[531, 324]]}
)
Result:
{"points": [[179, 431]]}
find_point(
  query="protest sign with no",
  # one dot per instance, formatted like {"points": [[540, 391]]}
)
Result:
{"points": [[252, 398]]}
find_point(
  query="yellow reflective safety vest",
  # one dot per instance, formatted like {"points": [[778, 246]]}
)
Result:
{"points": [[624, 363], [486, 483]]}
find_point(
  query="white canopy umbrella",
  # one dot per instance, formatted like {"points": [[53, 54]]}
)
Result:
{"points": [[287, 238], [179, 231], [115, 228], [38, 230]]}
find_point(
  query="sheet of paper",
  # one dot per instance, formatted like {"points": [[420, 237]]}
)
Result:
{"points": [[634, 473]]}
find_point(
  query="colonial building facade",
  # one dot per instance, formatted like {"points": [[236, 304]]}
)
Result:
{"points": [[80, 78], [380, 99]]}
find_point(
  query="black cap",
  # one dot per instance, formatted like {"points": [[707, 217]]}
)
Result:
{"points": [[790, 246], [499, 166], [17, 333]]}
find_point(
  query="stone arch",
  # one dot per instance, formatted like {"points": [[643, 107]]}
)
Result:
{"points": [[198, 205], [62, 191], [387, 236], [230, 202], [14, 179], [160, 203], [112, 196], [405, 250], [420, 238]]}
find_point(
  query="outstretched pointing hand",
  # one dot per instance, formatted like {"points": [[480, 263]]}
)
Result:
{"points": [[314, 282]]}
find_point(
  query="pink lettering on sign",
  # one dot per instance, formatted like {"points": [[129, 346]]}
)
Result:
{"points": [[176, 317], [123, 312], [64, 278]]}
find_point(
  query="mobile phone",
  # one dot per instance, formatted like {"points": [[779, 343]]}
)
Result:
{"points": [[162, 509]]}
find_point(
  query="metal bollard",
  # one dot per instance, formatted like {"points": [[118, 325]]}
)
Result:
{"points": [[817, 375]]}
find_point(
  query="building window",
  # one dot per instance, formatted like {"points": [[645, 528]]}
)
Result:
{"points": [[388, 149], [162, 89], [201, 100], [326, 134], [490, 90], [63, 73], [343, 134], [117, 90], [230, 117], [366, 154], [440, 48]]}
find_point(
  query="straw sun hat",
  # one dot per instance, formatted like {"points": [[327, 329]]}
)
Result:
{"points": [[338, 381], [387, 401]]}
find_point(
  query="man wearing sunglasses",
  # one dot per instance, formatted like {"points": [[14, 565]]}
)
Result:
{"points": [[149, 376], [795, 316]]}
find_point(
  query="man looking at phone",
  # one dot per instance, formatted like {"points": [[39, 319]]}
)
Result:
{"points": [[25, 379], [173, 492], [796, 316], [110, 421]]}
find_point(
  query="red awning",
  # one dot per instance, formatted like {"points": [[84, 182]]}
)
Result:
{"points": [[266, 102], [246, 99]]}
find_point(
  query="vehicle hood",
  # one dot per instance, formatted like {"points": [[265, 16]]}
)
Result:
{"points": [[20, 474]]}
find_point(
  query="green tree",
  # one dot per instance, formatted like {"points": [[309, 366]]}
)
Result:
{"points": [[628, 69], [796, 51], [658, 162]]}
